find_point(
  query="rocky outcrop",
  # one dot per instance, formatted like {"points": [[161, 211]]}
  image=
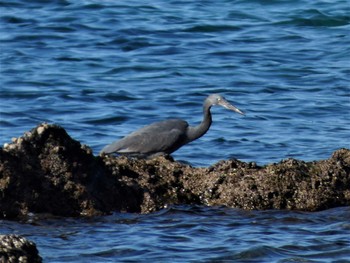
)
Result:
{"points": [[15, 249], [46, 171], [290, 184]]}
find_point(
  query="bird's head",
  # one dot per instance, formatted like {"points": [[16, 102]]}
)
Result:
{"points": [[216, 99]]}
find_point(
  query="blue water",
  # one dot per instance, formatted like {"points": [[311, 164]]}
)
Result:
{"points": [[102, 69], [194, 234]]}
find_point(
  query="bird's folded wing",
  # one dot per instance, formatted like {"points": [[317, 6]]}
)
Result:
{"points": [[146, 142]]}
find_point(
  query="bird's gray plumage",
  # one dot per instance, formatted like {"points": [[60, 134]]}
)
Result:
{"points": [[166, 136], [159, 137]]}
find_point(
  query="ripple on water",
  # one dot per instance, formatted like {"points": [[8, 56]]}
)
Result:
{"points": [[185, 233]]}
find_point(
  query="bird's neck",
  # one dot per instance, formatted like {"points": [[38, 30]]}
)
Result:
{"points": [[194, 132]]}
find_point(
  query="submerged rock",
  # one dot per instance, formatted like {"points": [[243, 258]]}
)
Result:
{"points": [[46, 171], [15, 249]]}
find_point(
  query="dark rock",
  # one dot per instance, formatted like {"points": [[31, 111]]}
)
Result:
{"points": [[46, 171], [15, 249], [158, 182]]}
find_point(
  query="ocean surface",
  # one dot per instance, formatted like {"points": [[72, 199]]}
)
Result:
{"points": [[102, 69], [194, 234]]}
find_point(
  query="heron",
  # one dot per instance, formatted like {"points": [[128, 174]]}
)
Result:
{"points": [[165, 137]]}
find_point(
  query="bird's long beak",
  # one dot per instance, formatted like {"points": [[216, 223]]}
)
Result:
{"points": [[229, 106]]}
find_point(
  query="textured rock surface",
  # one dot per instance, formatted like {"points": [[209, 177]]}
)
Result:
{"points": [[14, 249], [46, 171], [290, 184]]}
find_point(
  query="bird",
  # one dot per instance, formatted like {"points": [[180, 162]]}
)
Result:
{"points": [[165, 137]]}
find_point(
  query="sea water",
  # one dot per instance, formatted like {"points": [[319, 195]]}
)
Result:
{"points": [[102, 69]]}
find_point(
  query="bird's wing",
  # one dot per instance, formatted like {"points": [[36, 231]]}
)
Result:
{"points": [[166, 137]]}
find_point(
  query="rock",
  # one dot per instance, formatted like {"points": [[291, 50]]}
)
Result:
{"points": [[158, 182], [15, 249], [46, 171], [290, 184]]}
